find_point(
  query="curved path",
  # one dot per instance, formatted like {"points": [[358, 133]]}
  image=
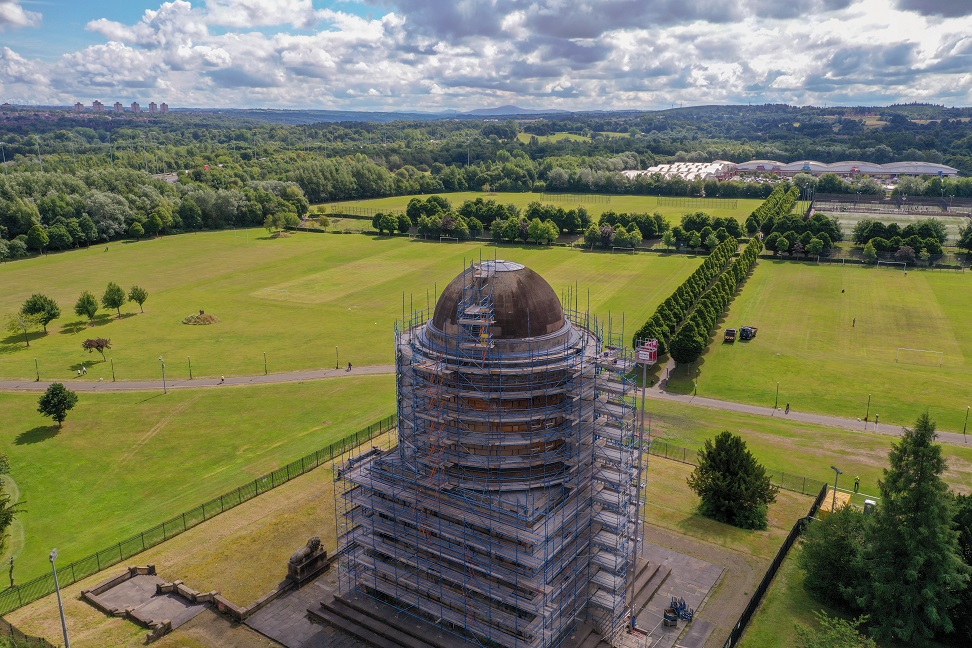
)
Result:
{"points": [[656, 392]]}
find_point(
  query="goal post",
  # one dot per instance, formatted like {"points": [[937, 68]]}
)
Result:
{"points": [[904, 266], [919, 356], [448, 239], [615, 248]]}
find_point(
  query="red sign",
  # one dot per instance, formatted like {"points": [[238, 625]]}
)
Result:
{"points": [[647, 353]]}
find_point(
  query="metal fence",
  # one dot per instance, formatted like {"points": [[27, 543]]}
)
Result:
{"points": [[18, 639], [795, 532], [20, 595], [785, 481]]}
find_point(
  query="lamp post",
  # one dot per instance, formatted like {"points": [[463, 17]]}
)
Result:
{"points": [[264, 363], [876, 417], [190, 367], [966, 426], [37, 369], [837, 473], [60, 605], [868, 412], [337, 359], [164, 390], [776, 406]]}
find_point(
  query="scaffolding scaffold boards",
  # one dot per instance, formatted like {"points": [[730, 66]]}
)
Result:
{"points": [[508, 509]]}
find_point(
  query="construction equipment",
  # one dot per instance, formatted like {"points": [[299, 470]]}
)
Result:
{"points": [[730, 336], [747, 332]]}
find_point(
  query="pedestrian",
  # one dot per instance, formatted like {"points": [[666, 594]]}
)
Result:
{"points": [[79, 373], [349, 366], [84, 370], [854, 323], [222, 379], [857, 484], [787, 409]]}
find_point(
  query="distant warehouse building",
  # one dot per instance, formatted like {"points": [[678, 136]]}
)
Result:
{"points": [[848, 169]]}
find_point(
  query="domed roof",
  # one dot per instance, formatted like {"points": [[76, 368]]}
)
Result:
{"points": [[524, 304]]}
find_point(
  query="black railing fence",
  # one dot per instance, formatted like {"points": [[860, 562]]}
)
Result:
{"points": [[785, 481], [20, 595], [18, 639], [795, 532]]}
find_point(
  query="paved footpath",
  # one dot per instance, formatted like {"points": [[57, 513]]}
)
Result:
{"points": [[656, 392]]}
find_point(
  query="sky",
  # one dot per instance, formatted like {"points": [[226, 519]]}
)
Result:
{"points": [[429, 55]]}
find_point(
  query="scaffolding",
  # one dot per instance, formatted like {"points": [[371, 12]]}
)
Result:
{"points": [[508, 510]]}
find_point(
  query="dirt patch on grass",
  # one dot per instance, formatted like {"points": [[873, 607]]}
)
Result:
{"points": [[200, 319]]}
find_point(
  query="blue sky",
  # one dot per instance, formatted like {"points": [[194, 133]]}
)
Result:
{"points": [[464, 54]]}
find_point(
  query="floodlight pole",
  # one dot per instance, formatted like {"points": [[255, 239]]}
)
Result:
{"points": [[837, 473], [164, 389], [60, 604], [966, 426]]}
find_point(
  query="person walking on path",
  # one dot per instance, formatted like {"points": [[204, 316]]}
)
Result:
{"points": [[222, 379], [349, 367], [787, 408]]}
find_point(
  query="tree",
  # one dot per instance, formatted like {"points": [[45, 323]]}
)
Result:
{"points": [[405, 224], [59, 238], [711, 241], [834, 632], [89, 229], [782, 245], [913, 560], [965, 238], [56, 402], [20, 323], [537, 231], [43, 306], [843, 533], [37, 238], [695, 240], [96, 344], [687, 345], [668, 239], [389, 223], [136, 230], [870, 253], [114, 297], [86, 306], [815, 247], [138, 295], [905, 254], [733, 486]]}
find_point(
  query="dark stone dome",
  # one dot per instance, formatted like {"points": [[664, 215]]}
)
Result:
{"points": [[524, 303]]}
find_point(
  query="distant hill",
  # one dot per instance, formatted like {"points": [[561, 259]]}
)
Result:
{"points": [[510, 110]]}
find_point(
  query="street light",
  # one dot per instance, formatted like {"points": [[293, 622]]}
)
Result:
{"points": [[777, 405], [164, 390], [966, 426], [60, 605], [190, 367], [868, 412], [37, 369], [837, 473], [337, 357], [264, 363]]}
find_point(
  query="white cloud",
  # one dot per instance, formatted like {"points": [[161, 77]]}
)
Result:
{"points": [[261, 13], [12, 15], [425, 54]]}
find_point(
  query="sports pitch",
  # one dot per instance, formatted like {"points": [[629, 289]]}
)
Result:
{"points": [[294, 298], [595, 204], [830, 336]]}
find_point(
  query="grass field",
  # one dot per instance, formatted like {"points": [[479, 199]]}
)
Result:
{"points": [[556, 137], [293, 298], [786, 604], [125, 462], [744, 206], [824, 362], [848, 220]]}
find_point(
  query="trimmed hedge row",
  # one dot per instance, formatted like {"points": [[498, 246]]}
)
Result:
{"points": [[779, 203], [692, 338], [666, 319]]}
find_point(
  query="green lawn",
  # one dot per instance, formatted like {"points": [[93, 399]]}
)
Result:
{"points": [[829, 334], [125, 462], [744, 206], [797, 448], [294, 298], [556, 137]]}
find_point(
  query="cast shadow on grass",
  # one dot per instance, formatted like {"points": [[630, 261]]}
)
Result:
{"points": [[37, 435], [15, 342], [88, 364]]}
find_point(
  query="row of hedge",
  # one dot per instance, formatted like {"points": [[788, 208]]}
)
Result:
{"points": [[779, 203], [666, 319], [692, 338]]}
